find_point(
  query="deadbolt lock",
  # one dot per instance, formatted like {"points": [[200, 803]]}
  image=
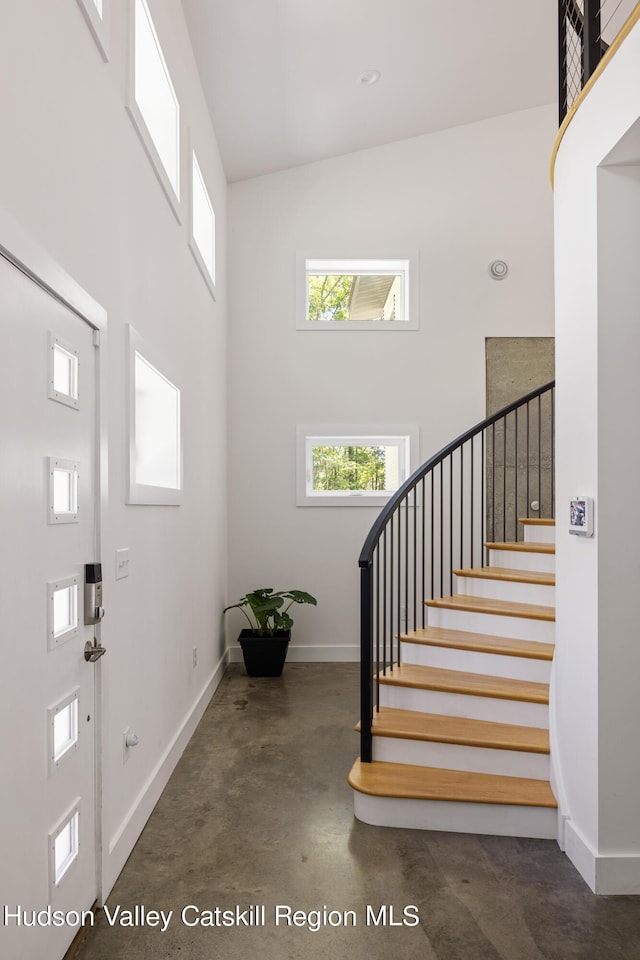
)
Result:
{"points": [[93, 609]]}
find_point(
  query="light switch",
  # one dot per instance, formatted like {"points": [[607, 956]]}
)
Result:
{"points": [[122, 563]]}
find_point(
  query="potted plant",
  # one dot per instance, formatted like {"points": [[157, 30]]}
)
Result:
{"points": [[265, 644]]}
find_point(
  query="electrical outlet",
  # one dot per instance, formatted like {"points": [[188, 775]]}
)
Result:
{"points": [[195, 656]]}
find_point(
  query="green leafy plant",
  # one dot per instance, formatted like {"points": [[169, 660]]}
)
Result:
{"points": [[263, 609]]}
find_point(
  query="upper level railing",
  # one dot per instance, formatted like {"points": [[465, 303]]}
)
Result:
{"points": [[472, 491], [586, 29]]}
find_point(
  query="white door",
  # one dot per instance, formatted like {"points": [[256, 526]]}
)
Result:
{"points": [[47, 688]]}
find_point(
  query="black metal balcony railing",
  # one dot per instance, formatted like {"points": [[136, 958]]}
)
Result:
{"points": [[472, 491], [586, 28]]}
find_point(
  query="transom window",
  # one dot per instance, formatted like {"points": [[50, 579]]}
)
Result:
{"points": [[355, 294], [96, 13], [153, 103], [343, 468], [203, 225]]}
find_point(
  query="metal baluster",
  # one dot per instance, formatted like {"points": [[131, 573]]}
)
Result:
{"points": [[539, 457], [553, 452], [461, 505], [504, 479], [384, 602], [528, 467], [366, 711]]}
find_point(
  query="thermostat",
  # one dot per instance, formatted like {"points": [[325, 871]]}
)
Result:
{"points": [[581, 516]]}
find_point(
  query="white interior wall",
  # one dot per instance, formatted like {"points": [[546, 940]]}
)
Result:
{"points": [[74, 174], [618, 472], [462, 198], [597, 211]]}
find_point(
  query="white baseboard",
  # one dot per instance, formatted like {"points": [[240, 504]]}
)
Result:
{"points": [[496, 819], [126, 835], [617, 874], [579, 851], [302, 654]]}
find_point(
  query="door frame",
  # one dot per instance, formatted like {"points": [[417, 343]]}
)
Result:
{"points": [[19, 248]]}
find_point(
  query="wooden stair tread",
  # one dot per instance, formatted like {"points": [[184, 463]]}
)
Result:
{"points": [[403, 780], [413, 725], [506, 573], [479, 642], [537, 521], [520, 546], [500, 608], [458, 681]]}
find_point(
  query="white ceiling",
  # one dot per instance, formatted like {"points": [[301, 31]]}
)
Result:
{"points": [[280, 76]]}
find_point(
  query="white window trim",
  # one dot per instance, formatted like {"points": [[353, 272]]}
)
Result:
{"points": [[173, 196], [100, 26], [67, 399], [373, 265], [72, 467], [365, 433], [52, 587], [53, 883], [193, 244], [140, 493], [52, 713]]}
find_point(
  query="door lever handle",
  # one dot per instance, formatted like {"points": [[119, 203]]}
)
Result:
{"points": [[93, 651]]}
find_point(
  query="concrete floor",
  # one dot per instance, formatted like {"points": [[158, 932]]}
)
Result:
{"points": [[258, 812]]}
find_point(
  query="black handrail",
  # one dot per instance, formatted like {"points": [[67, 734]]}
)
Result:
{"points": [[475, 487]]}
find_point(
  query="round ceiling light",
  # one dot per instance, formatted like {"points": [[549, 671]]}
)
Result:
{"points": [[369, 77]]}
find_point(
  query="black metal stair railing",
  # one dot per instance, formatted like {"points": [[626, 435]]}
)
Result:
{"points": [[472, 492], [586, 29]]}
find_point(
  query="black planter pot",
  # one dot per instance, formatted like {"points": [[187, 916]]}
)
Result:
{"points": [[264, 656]]}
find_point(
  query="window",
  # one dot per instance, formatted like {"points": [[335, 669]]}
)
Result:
{"points": [[62, 611], [357, 294], [63, 490], [63, 730], [96, 13], [153, 104], [63, 372], [203, 226], [353, 465], [155, 454], [64, 844]]}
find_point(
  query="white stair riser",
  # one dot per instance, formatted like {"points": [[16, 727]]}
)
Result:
{"points": [[503, 820], [470, 661], [461, 705], [506, 590], [521, 560], [453, 756], [539, 533], [496, 626]]}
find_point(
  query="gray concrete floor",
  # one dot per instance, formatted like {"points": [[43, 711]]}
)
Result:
{"points": [[258, 812]]}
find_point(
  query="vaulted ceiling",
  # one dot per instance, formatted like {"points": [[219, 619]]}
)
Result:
{"points": [[281, 77]]}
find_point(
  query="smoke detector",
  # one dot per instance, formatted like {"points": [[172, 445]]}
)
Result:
{"points": [[498, 269]]}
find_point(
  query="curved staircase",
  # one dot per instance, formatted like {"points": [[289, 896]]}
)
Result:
{"points": [[460, 738]]}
